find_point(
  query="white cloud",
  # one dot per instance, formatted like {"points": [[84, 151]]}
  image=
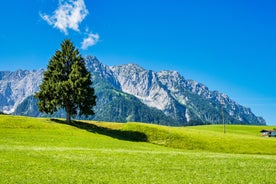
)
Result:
{"points": [[68, 15], [91, 40]]}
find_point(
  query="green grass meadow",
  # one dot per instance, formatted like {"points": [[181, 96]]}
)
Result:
{"points": [[37, 150]]}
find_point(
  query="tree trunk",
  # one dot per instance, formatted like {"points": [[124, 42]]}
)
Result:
{"points": [[68, 114]]}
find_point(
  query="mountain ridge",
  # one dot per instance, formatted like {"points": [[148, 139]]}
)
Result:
{"points": [[163, 97], [16, 86]]}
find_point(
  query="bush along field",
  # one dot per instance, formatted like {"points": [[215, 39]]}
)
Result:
{"points": [[37, 150]]}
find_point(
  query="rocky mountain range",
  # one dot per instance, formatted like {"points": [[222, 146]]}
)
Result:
{"points": [[131, 93], [16, 86]]}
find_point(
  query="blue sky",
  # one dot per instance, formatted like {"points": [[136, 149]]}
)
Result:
{"points": [[230, 46]]}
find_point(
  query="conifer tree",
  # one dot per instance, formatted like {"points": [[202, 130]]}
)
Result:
{"points": [[67, 84]]}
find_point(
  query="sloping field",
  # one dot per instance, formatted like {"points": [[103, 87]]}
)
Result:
{"points": [[240, 139], [36, 150]]}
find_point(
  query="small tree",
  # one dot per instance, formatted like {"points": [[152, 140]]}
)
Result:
{"points": [[66, 84]]}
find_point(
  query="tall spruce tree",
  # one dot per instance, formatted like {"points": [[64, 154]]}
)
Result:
{"points": [[67, 84]]}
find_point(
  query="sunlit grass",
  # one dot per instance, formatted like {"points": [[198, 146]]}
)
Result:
{"points": [[34, 150], [209, 138]]}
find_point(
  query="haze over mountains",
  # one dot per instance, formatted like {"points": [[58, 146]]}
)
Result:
{"points": [[131, 93]]}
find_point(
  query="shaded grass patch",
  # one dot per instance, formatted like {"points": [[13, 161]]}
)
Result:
{"points": [[130, 135]]}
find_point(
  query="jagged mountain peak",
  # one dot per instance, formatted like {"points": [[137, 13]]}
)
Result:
{"points": [[128, 68], [171, 78], [93, 64], [18, 74], [169, 73], [100, 70]]}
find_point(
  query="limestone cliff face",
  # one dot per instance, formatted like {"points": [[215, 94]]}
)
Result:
{"points": [[17, 86], [143, 84]]}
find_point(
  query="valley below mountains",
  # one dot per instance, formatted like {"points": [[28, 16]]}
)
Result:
{"points": [[129, 93]]}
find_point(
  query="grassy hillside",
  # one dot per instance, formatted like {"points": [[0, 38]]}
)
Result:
{"points": [[47, 151], [238, 138]]}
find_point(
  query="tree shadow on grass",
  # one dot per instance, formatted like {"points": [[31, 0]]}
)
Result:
{"points": [[118, 134]]}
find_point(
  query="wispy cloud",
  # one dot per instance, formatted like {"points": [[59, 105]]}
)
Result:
{"points": [[91, 40], [68, 15]]}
